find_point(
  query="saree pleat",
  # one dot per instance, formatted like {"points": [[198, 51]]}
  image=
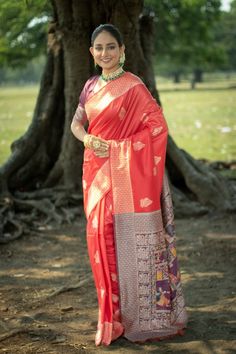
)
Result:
{"points": [[130, 229], [100, 241]]}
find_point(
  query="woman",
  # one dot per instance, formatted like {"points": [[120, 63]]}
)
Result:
{"points": [[130, 231]]}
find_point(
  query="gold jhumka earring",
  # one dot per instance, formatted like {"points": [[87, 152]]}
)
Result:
{"points": [[122, 60]]}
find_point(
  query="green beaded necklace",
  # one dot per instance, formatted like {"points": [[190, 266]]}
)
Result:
{"points": [[112, 76]]}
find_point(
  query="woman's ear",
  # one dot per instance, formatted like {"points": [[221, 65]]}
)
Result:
{"points": [[91, 50]]}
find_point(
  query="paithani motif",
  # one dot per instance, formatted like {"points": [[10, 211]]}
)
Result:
{"points": [[145, 202], [132, 248], [138, 146], [156, 131], [157, 159]]}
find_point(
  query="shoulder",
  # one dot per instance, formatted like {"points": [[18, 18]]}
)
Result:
{"points": [[91, 81], [133, 79], [137, 85], [88, 87], [138, 91], [132, 83]]}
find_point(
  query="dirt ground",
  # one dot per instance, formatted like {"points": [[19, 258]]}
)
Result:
{"points": [[38, 315]]}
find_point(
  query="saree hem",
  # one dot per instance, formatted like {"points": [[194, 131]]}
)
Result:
{"points": [[180, 332]]}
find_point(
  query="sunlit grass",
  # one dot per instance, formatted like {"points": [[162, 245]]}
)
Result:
{"points": [[16, 110], [202, 121]]}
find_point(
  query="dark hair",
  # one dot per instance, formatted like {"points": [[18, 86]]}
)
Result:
{"points": [[110, 29]]}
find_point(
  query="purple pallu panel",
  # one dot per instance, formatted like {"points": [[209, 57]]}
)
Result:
{"points": [[151, 298]]}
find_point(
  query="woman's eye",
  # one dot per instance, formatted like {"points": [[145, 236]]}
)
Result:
{"points": [[111, 47]]}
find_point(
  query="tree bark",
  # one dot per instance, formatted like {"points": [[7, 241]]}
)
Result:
{"points": [[74, 28], [147, 33]]}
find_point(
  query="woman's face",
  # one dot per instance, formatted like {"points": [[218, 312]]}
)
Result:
{"points": [[106, 52]]}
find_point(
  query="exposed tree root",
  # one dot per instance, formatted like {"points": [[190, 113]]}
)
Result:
{"points": [[32, 211], [66, 288], [184, 206], [49, 334], [13, 333], [202, 183], [3, 325]]}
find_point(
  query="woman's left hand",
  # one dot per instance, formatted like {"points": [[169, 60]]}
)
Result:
{"points": [[100, 146], [100, 153]]}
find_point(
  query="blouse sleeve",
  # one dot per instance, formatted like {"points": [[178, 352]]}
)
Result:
{"points": [[80, 114]]}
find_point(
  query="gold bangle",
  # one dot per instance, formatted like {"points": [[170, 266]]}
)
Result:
{"points": [[87, 139]]}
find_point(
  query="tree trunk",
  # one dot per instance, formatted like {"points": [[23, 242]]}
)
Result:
{"points": [[75, 37], [198, 75], [48, 155], [177, 77], [147, 33], [34, 154]]}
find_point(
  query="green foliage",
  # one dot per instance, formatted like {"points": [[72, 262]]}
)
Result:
{"points": [[225, 35], [185, 34], [190, 34], [23, 30]]}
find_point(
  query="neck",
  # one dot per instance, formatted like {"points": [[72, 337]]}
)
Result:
{"points": [[107, 72], [112, 75]]}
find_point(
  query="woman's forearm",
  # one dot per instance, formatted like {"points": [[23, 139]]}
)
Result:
{"points": [[78, 130], [98, 145]]}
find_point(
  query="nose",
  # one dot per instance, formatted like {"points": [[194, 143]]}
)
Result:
{"points": [[104, 51]]}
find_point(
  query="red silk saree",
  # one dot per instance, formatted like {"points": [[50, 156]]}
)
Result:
{"points": [[130, 230]]}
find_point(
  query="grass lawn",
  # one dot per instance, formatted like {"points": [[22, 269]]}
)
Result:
{"points": [[16, 111], [202, 121]]}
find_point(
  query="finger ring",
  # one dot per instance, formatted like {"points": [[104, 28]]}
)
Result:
{"points": [[96, 144]]}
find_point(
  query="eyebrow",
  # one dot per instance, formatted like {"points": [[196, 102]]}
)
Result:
{"points": [[106, 44]]}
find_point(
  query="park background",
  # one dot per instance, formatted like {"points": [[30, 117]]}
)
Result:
{"points": [[202, 120], [47, 298]]}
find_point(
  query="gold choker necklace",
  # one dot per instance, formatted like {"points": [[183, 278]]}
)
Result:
{"points": [[112, 76]]}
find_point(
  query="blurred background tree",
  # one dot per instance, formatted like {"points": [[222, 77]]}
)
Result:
{"points": [[186, 37], [191, 37], [23, 31], [23, 39], [225, 36]]}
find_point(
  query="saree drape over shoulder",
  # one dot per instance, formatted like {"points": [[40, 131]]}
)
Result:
{"points": [[130, 230]]}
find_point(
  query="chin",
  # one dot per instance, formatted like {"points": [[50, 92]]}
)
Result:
{"points": [[108, 66]]}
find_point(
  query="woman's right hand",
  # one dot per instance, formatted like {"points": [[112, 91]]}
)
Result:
{"points": [[98, 145]]}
